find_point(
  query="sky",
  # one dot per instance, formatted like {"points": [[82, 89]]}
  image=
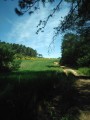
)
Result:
{"points": [[22, 29]]}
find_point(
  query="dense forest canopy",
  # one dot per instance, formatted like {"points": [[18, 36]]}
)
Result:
{"points": [[75, 50], [21, 49]]}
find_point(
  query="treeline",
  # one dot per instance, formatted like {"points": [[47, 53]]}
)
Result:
{"points": [[76, 49], [10, 52], [21, 49]]}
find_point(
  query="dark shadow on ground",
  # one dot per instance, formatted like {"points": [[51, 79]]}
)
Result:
{"points": [[53, 66], [45, 95], [83, 77]]}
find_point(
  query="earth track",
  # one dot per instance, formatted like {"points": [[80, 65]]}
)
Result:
{"points": [[83, 87]]}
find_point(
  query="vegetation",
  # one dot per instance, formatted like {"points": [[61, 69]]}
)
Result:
{"points": [[84, 71], [30, 92], [24, 51], [21, 50], [7, 58], [75, 45], [10, 52], [76, 50], [39, 64], [76, 19], [37, 68], [69, 49], [40, 89]]}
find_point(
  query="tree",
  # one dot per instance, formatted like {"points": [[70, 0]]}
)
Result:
{"points": [[84, 48], [6, 56], [78, 15], [76, 50], [69, 49], [77, 20], [22, 50], [40, 55]]}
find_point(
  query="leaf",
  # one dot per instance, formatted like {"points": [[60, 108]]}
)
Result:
{"points": [[19, 13]]}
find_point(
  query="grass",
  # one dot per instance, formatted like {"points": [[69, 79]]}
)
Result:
{"points": [[38, 68], [39, 65], [39, 90], [84, 71]]}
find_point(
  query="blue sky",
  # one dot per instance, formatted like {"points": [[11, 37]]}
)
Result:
{"points": [[22, 30]]}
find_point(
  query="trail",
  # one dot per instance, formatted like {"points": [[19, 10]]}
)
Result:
{"points": [[67, 70], [83, 87]]}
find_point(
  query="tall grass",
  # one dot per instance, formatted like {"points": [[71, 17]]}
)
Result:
{"points": [[20, 97], [39, 90], [84, 71]]}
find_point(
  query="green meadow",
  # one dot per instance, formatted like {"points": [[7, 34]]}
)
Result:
{"points": [[40, 64], [34, 68], [84, 71], [39, 90]]}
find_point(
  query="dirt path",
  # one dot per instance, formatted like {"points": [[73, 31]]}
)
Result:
{"points": [[81, 79], [67, 70], [83, 87]]}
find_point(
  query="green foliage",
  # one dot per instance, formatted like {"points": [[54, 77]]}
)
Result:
{"points": [[76, 50], [69, 49], [7, 58], [22, 50], [65, 118], [84, 48], [10, 52], [84, 71], [84, 61], [77, 20], [15, 65]]}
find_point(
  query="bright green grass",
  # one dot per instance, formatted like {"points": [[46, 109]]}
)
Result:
{"points": [[84, 71], [38, 68], [39, 65]]}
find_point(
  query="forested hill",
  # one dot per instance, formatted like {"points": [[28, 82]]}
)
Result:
{"points": [[20, 50]]}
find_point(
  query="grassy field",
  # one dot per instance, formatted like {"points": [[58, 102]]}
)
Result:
{"points": [[84, 71], [36, 68], [40, 64], [39, 90]]}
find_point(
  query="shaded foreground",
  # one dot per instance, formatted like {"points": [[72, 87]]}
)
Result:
{"points": [[43, 95]]}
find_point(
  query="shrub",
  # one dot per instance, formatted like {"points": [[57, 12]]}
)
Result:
{"points": [[84, 61], [7, 62]]}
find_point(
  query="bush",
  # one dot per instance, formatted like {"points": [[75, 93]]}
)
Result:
{"points": [[84, 61], [7, 62], [14, 65], [85, 71]]}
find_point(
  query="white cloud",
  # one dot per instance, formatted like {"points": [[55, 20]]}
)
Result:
{"points": [[24, 30]]}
